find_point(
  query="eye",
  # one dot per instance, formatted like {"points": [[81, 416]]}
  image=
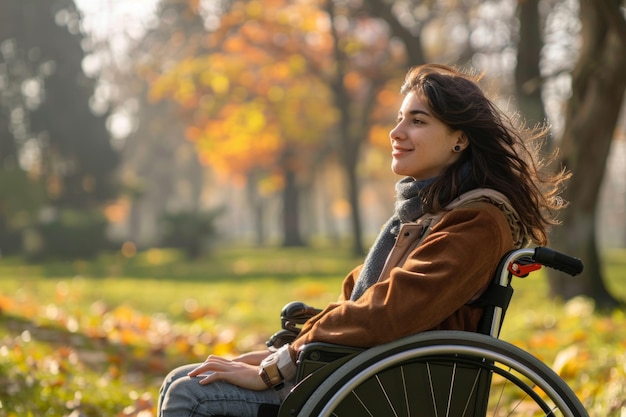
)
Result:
{"points": [[418, 122]]}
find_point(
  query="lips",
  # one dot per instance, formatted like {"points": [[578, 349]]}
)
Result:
{"points": [[397, 151]]}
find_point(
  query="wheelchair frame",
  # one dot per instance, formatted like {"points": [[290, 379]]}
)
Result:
{"points": [[436, 373]]}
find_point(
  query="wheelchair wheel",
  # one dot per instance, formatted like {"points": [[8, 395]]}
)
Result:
{"points": [[443, 373]]}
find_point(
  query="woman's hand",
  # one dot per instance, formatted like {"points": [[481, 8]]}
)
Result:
{"points": [[238, 373]]}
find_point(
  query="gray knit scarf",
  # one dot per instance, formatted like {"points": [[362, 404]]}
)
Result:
{"points": [[409, 207]]}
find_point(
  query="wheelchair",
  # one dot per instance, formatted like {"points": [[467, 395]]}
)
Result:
{"points": [[435, 373]]}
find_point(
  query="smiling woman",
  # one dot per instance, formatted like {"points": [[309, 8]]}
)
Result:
{"points": [[423, 146], [469, 195]]}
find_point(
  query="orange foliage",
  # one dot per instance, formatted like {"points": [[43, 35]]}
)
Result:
{"points": [[262, 86], [251, 101]]}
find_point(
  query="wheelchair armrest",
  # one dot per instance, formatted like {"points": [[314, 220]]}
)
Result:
{"points": [[293, 314], [297, 312], [317, 355], [316, 362]]}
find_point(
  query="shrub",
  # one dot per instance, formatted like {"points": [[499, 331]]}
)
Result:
{"points": [[190, 231], [72, 234]]}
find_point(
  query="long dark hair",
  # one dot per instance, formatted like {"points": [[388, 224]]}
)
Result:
{"points": [[500, 151]]}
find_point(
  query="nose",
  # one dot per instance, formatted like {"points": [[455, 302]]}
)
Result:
{"points": [[396, 133]]}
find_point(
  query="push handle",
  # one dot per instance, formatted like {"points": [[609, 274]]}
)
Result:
{"points": [[559, 261]]}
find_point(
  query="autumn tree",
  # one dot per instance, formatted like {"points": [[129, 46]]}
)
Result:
{"points": [[267, 86], [598, 84], [256, 113]]}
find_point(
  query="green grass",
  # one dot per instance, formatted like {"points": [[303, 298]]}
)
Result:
{"points": [[259, 281], [99, 336]]}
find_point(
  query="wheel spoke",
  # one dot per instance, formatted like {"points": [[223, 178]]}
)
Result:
{"points": [[406, 393], [382, 388], [474, 386], [432, 389], [451, 391], [362, 403], [506, 381]]}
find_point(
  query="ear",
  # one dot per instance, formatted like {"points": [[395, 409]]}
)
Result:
{"points": [[461, 142]]}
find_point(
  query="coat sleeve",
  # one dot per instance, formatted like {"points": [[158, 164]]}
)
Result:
{"points": [[455, 261], [348, 283]]}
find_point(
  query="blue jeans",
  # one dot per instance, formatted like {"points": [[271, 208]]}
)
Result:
{"points": [[182, 396]]}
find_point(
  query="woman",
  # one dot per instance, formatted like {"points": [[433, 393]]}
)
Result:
{"points": [[470, 194]]}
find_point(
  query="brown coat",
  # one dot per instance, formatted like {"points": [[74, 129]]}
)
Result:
{"points": [[425, 287]]}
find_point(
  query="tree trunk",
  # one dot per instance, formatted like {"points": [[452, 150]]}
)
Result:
{"points": [[598, 84], [257, 207], [527, 75], [291, 208], [349, 147], [355, 207]]}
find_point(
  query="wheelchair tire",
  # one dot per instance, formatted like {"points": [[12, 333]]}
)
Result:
{"points": [[443, 373]]}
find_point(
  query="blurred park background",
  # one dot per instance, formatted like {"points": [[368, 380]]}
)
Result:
{"points": [[173, 172]]}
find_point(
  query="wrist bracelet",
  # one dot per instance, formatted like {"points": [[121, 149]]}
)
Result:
{"points": [[277, 368], [269, 372], [265, 377]]}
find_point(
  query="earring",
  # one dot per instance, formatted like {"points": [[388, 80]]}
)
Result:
{"points": [[457, 148]]}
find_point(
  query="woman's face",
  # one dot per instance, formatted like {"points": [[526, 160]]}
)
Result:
{"points": [[422, 146]]}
